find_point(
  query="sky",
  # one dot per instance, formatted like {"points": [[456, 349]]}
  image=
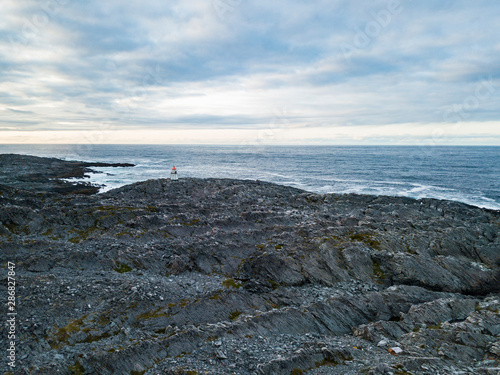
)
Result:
{"points": [[250, 72]]}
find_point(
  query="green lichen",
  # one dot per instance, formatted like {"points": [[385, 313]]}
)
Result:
{"points": [[62, 335], [76, 369], [379, 274], [13, 228], [230, 283], [216, 296], [399, 370], [183, 302], [326, 362], [435, 326], [234, 315], [122, 268], [151, 208], [82, 235], [103, 320], [273, 305], [158, 313], [367, 239], [91, 338], [274, 284]]}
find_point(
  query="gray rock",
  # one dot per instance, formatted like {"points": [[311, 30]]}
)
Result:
{"points": [[196, 275]]}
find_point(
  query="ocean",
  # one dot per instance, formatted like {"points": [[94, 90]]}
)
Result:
{"points": [[465, 174]]}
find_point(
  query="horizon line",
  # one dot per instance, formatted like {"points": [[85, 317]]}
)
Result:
{"points": [[249, 145]]}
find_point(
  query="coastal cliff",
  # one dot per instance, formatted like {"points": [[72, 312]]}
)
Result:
{"points": [[224, 276]]}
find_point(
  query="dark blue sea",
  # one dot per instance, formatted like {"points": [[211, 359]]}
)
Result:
{"points": [[466, 174]]}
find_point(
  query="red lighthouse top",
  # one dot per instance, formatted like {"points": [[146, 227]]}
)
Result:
{"points": [[173, 174]]}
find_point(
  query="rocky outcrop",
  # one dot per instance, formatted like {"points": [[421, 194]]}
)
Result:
{"points": [[48, 174], [224, 276]]}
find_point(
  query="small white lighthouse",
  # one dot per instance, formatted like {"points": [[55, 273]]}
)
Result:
{"points": [[173, 174]]}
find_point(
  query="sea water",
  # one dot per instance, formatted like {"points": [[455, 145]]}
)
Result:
{"points": [[466, 174]]}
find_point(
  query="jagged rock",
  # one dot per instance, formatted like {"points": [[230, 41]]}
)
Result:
{"points": [[223, 276], [48, 174]]}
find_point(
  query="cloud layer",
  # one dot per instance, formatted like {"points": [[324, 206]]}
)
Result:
{"points": [[280, 67]]}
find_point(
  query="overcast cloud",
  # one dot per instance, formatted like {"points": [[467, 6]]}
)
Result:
{"points": [[372, 71]]}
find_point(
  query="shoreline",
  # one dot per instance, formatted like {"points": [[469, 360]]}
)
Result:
{"points": [[72, 174], [197, 275], [335, 182], [49, 174]]}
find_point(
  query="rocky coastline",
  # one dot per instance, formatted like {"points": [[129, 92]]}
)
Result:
{"points": [[49, 174], [222, 276]]}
